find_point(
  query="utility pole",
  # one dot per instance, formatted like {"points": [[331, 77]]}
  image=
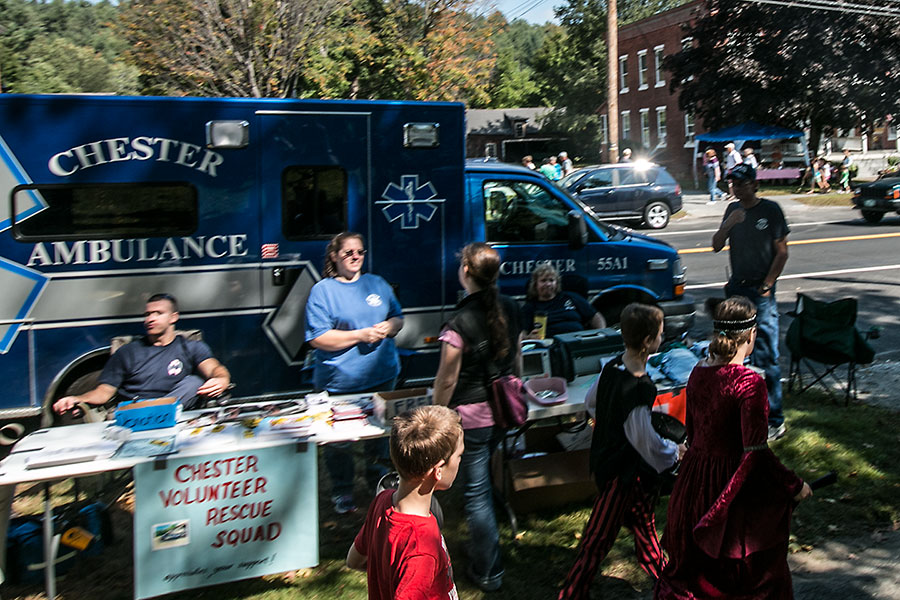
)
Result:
{"points": [[612, 76]]}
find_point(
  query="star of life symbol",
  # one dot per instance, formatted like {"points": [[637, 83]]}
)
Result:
{"points": [[21, 285], [409, 202]]}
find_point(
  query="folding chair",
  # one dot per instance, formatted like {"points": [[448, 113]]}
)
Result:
{"points": [[825, 333]]}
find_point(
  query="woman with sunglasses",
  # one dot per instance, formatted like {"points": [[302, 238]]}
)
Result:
{"points": [[351, 320]]}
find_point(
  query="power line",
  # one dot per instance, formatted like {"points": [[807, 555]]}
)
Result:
{"points": [[845, 7], [534, 5]]}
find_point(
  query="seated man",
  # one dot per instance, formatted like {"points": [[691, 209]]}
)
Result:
{"points": [[159, 364]]}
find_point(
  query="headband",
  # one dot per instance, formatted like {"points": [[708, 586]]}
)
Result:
{"points": [[734, 326]]}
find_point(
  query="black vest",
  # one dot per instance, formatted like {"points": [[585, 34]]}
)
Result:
{"points": [[470, 322], [618, 393]]}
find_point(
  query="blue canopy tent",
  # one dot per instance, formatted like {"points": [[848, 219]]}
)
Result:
{"points": [[749, 131]]}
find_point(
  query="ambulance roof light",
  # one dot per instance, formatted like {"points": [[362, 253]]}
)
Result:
{"points": [[227, 134]]}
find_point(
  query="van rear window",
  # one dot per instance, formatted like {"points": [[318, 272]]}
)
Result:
{"points": [[314, 202], [104, 211]]}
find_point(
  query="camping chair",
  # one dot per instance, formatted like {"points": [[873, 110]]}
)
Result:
{"points": [[577, 284], [825, 333], [92, 413]]}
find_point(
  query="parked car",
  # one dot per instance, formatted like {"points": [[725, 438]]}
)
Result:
{"points": [[875, 199], [640, 191]]}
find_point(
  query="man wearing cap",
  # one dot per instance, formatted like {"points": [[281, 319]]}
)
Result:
{"points": [[757, 232], [732, 159]]}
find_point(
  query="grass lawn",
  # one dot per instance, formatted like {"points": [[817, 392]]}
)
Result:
{"points": [[861, 443]]}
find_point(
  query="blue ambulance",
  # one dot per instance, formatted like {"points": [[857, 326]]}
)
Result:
{"points": [[228, 205]]}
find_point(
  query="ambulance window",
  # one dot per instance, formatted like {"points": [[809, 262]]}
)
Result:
{"points": [[516, 211], [314, 202], [104, 211]]}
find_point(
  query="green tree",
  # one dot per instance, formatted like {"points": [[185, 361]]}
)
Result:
{"points": [[577, 60], [425, 50], [514, 81], [19, 25], [787, 66], [225, 47], [61, 46]]}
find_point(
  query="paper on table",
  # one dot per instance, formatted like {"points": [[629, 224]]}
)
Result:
{"points": [[147, 447], [216, 436], [52, 457]]}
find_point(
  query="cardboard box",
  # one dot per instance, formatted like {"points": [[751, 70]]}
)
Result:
{"points": [[545, 475], [387, 405], [155, 413]]}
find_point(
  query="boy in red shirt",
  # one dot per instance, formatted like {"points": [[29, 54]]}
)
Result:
{"points": [[400, 545]]}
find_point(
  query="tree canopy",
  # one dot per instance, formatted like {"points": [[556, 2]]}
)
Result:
{"points": [[787, 66], [62, 46]]}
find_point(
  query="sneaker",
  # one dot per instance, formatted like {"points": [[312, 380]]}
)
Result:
{"points": [[343, 504], [776, 432]]}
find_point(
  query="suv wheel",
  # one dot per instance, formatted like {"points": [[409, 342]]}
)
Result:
{"points": [[872, 216], [656, 214]]}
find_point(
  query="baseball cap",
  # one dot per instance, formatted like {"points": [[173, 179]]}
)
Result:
{"points": [[742, 172]]}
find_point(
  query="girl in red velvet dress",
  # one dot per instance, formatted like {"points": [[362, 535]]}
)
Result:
{"points": [[729, 514]]}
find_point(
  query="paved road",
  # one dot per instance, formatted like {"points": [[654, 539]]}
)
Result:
{"points": [[833, 254]]}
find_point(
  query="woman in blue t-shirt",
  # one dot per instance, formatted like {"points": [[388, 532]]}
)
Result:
{"points": [[562, 312], [351, 320]]}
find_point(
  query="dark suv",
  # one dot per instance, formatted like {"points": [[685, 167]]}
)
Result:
{"points": [[875, 199], [639, 191]]}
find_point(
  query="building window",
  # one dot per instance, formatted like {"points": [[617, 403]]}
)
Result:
{"points": [[625, 125], [645, 127], [490, 150], [623, 74], [688, 129], [521, 128], [642, 70], [604, 129], [660, 126], [658, 60], [686, 43]]}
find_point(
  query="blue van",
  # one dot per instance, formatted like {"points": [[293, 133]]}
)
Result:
{"points": [[228, 205]]}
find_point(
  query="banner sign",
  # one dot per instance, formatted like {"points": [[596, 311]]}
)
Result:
{"points": [[206, 520]]}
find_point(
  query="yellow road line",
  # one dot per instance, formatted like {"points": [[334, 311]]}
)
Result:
{"points": [[847, 238]]}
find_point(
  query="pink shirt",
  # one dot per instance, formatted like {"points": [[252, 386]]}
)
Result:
{"points": [[473, 416]]}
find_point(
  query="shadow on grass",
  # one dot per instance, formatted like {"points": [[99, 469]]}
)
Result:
{"points": [[859, 442]]}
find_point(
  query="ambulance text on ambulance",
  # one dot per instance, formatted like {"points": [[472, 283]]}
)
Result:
{"points": [[94, 252]]}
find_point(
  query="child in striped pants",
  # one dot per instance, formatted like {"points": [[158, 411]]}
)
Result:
{"points": [[626, 455]]}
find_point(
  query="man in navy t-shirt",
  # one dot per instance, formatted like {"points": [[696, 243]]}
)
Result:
{"points": [[159, 364], [757, 232]]}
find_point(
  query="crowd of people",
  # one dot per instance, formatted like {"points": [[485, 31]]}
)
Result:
{"points": [[730, 508], [819, 176], [553, 168], [823, 177], [729, 512]]}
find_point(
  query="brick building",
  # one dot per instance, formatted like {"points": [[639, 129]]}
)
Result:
{"points": [[650, 122]]}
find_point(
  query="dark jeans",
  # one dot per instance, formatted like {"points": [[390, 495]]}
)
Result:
{"points": [[478, 492], [376, 454], [765, 355]]}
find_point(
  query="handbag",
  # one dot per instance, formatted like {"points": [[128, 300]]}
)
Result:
{"points": [[507, 401]]}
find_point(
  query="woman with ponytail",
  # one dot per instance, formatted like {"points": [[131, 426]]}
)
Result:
{"points": [[480, 342], [729, 513]]}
